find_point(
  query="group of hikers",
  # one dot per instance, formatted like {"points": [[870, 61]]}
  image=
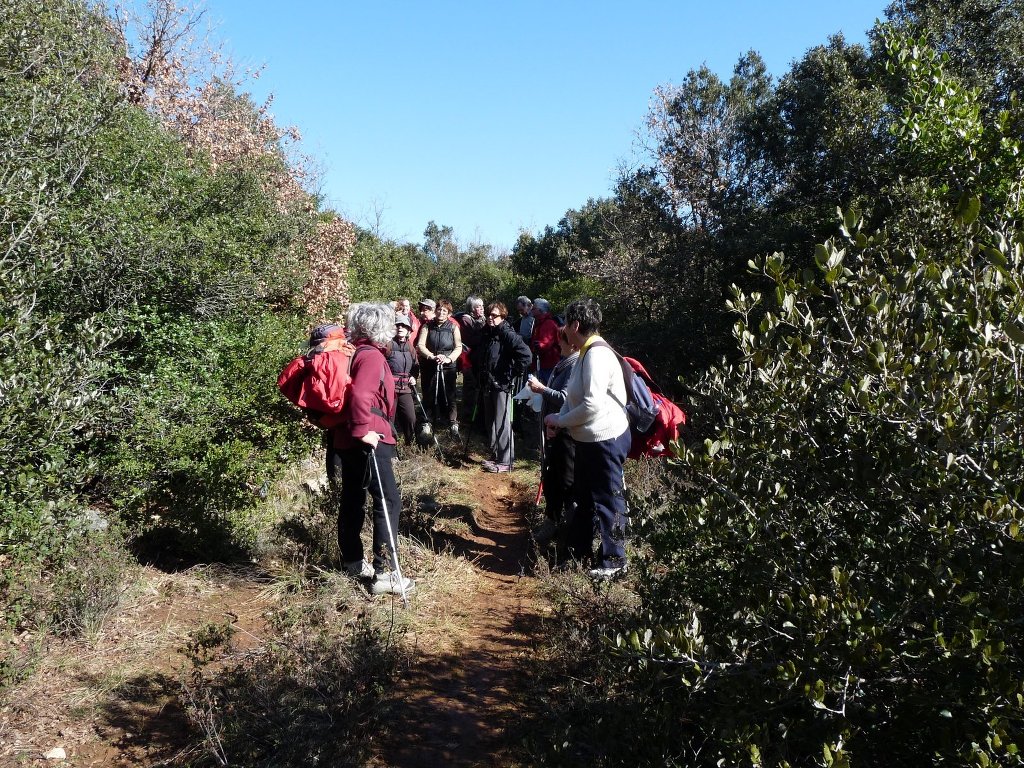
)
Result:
{"points": [[387, 349], [492, 353]]}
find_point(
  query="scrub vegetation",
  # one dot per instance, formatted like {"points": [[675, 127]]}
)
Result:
{"points": [[828, 267]]}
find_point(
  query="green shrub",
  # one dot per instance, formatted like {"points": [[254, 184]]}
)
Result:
{"points": [[844, 584], [90, 583], [208, 434]]}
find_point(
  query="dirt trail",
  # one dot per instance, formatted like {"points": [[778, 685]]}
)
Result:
{"points": [[459, 708], [112, 701]]}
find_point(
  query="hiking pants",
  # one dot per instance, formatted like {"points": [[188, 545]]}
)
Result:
{"points": [[405, 416], [355, 467], [599, 491], [498, 417], [440, 399], [559, 465]]}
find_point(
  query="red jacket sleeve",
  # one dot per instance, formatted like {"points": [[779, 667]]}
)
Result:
{"points": [[545, 341], [371, 394]]}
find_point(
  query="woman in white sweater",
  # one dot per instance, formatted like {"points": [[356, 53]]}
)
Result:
{"points": [[594, 415]]}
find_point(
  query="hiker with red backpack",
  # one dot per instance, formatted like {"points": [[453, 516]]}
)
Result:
{"points": [[544, 339], [594, 416], [362, 450]]}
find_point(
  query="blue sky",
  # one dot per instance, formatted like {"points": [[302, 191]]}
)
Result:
{"points": [[493, 117]]}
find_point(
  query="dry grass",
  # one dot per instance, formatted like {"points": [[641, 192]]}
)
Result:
{"points": [[438, 606], [121, 692], [108, 682]]}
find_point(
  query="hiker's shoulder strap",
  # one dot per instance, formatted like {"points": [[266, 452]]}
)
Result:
{"points": [[627, 370]]}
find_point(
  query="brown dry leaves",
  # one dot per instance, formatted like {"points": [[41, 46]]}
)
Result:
{"points": [[171, 69]]}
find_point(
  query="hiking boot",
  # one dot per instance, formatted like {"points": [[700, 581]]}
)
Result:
{"points": [[485, 464], [607, 574], [492, 467], [387, 583], [358, 569], [455, 430]]}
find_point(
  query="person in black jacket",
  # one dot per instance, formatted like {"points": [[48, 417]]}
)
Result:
{"points": [[404, 367], [503, 357], [472, 324]]}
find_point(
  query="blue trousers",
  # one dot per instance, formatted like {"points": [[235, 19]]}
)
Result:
{"points": [[599, 492]]}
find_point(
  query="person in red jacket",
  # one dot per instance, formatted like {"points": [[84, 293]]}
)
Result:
{"points": [[363, 449], [544, 339]]}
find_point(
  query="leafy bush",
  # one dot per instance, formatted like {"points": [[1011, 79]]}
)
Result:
{"points": [[846, 587], [154, 283], [90, 584], [207, 436]]}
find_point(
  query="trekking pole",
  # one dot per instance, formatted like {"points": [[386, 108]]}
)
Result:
{"points": [[511, 433], [423, 410], [419, 402], [437, 388], [471, 425], [543, 457], [391, 532]]}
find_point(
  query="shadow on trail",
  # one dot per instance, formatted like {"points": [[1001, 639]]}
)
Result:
{"points": [[465, 708], [493, 549], [143, 720]]}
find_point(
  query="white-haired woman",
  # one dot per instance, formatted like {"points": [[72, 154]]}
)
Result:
{"points": [[370, 407]]}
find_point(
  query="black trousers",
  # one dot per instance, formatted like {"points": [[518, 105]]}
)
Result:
{"points": [[357, 473], [405, 416], [439, 399], [600, 498], [558, 476]]}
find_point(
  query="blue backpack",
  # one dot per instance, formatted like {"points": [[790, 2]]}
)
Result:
{"points": [[641, 408]]}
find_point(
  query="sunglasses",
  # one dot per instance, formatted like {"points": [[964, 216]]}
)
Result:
{"points": [[494, 315]]}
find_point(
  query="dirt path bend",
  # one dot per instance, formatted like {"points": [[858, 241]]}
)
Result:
{"points": [[458, 705]]}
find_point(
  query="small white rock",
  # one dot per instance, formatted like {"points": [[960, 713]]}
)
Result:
{"points": [[57, 753]]}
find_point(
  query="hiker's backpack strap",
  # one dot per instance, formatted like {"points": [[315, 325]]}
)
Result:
{"points": [[640, 407], [627, 371]]}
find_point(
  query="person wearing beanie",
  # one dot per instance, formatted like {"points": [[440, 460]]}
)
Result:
{"points": [[404, 367]]}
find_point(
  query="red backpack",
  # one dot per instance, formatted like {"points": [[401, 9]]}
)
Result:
{"points": [[318, 381], [654, 441], [654, 420]]}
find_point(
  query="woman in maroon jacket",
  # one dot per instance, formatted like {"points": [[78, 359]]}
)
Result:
{"points": [[364, 446]]}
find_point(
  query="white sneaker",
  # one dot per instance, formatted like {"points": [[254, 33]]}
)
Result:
{"points": [[607, 574], [358, 569], [387, 583]]}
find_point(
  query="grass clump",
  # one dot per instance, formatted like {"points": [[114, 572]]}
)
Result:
{"points": [[314, 692], [91, 585]]}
